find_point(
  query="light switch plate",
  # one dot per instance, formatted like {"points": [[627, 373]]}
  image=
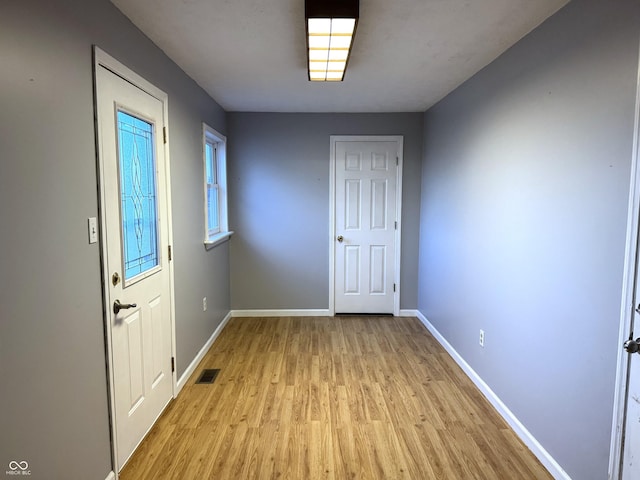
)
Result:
{"points": [[93, 230]]}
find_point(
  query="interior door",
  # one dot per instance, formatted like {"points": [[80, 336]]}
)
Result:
{"points": [[366, 174], [631, 434], [135, 211]]}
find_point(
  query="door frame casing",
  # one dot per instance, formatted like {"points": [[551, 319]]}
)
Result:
{"points": [[103, 59], [399, 139], [630, 277]]}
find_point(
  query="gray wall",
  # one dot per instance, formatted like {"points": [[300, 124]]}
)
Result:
{"points": [[524, 201], [53, 400], [280, 252]]}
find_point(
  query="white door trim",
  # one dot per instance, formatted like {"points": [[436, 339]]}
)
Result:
{"points": [[628, 289], [399, 139], [102, 59]]}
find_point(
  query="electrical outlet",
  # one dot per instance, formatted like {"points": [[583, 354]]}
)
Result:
{"points": [[482, 338], [204, 304]]}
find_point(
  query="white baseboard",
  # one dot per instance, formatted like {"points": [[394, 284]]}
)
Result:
{"points": [[529, 440], [111, 476], [281, 313], [203, 351], [300, 313]]}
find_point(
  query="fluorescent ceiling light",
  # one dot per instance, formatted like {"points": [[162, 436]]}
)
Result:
{"points": [[331, 26]]}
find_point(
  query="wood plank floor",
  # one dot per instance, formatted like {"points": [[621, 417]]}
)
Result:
{"points": [[331, 398]]}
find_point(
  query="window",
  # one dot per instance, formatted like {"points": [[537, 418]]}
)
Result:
{"points": [[215, 186]]}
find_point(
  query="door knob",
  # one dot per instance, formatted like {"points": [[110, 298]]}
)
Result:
{"points": [[340, 238], [632, 346], [117, 306]]}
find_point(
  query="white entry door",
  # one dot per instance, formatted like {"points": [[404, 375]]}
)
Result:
{"points": [[366, 220], [135, 219]]}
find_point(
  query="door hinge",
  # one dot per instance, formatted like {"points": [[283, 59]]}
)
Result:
{"points": [[396, 225], [164, 134], [397, 160], [394, 287], [173, 364], [170, 254]]}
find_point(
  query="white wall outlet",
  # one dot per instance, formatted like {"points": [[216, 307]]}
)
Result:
{"points": [[481, 338], [93, 230], [204, 304]]}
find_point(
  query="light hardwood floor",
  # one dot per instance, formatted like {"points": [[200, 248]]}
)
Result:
{"points": [[331, 398]]}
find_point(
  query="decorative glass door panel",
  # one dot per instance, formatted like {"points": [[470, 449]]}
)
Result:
{"points": [[138, 196]]}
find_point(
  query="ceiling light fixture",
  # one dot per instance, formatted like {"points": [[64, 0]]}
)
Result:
{"points": [[331, 26]]}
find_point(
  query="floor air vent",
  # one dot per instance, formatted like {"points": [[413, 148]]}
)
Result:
{"points": [[208, 375]]}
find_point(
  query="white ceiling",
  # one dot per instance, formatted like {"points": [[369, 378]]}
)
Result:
{"points": [[249, 55]]}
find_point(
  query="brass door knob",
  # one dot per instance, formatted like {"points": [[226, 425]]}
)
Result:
{"points": [[632, 346], [340, 238]]}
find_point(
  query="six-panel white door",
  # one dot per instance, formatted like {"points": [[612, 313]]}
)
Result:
{"points": [[130, 124], [631, 439], [365, 221], [631, 453]]}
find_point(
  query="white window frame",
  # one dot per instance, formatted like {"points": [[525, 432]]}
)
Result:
{"points": [[219, 141]]}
